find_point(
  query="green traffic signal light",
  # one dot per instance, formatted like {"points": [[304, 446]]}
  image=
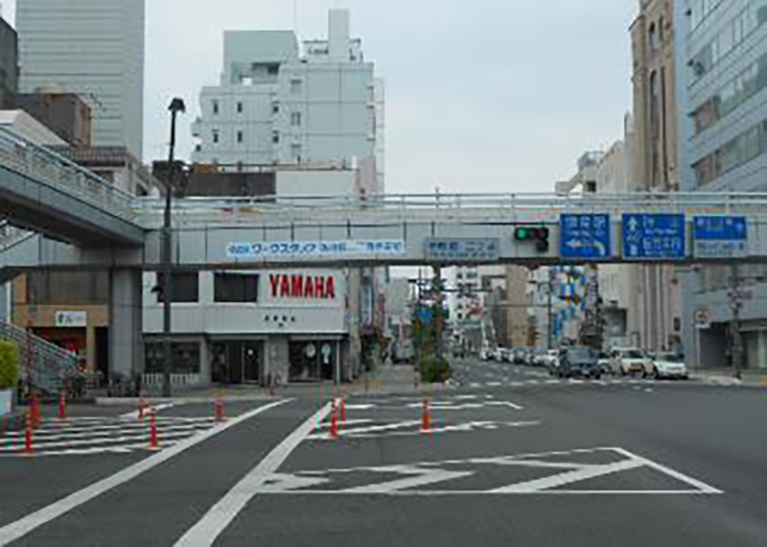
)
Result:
{"points": [[522, 234]]}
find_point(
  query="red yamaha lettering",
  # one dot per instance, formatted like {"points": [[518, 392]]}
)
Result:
{"points": [[303, 286]]}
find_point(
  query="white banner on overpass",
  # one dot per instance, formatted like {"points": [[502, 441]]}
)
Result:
{"points": [[316, 249]]}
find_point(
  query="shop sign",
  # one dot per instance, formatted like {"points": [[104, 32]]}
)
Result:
{"points": [[315, 249], [71, 319], [320, 287]]}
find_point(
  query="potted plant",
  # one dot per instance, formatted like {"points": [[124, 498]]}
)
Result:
{"points": [[9, 375]]}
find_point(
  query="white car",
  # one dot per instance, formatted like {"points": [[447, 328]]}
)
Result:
{"points": [[550, 358], [630, 361], [669, 365]]}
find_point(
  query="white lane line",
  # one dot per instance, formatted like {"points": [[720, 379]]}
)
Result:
{"points": [[20, 528], [102, 432], [218, 517], [137, 436], [147, 410], [494, 384]]}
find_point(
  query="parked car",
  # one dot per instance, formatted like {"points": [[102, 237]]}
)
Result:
{"points": [[549, 358], [580, 361], [604, 362], [669, 365], [537, 357], [520, 356], [498, 355], [485, 354], [630, 361]]}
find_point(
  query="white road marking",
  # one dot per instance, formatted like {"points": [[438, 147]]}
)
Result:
{"points": [[546, 483], [494, 384], [218, 517], [394, 430], [20, 528], [422, 473], [360, 407], [420, 477], [148, 410]]}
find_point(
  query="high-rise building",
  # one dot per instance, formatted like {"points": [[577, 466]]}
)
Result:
{"points": [[656, 162], [276, 104], [9, 62], [722, 82], [94, 49]]}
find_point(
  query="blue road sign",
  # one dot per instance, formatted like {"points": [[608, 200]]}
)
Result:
{"points": [[719, 236], [722, 228], [585, 237], [653, 236]]}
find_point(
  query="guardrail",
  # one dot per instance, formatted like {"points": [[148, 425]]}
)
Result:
{"points": [[45, 166], [218, 210]]}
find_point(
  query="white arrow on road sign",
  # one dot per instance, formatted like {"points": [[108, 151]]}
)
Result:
{"points": [[633, 224]]}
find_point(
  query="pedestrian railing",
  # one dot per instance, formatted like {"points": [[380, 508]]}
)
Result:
{"points": [[52, 169], [44, 365]]}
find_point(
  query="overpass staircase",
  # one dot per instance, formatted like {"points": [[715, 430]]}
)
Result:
{"points": [[44, 365]]}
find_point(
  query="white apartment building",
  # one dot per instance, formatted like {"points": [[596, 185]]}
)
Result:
{"points": [[94, 49], [276, 104], [721, 48]]}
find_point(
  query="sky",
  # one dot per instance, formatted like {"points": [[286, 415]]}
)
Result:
{"points": [[481, 96]]}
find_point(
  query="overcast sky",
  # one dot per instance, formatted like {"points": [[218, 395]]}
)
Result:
{"points": [[482, 96]]}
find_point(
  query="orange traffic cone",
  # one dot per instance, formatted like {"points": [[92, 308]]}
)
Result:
{"points": [[425, 416], [153, 445], [62, 406], [29, 449], [334, 423]]}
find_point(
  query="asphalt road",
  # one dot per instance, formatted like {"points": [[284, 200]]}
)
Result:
{"points": [[512, 457]]}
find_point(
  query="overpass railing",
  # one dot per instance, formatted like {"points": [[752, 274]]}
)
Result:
{"points": [[217, 210], [45, 166]]}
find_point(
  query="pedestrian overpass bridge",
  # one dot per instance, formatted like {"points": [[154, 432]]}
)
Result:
{"points": [[59, 216], [323, 231]]}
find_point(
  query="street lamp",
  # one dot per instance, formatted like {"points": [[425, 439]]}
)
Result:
{"points": [[176, 106]]}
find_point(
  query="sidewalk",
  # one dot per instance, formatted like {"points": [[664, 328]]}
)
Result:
{"points": [[387, 380], [726, 376]]}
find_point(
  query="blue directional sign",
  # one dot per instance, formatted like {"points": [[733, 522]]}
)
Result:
{"points": [[585, 237], [723, 228], [720, 236], [649, 236]]}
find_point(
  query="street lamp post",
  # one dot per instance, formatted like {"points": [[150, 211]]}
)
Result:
{"points": [[176, 106]]}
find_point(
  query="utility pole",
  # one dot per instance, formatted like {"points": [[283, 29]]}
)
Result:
{"points": [[439, 319], [549, 310], [176, 106], [737, 338]]}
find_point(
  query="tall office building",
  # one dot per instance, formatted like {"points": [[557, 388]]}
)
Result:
{"points": [[9, 63], [722, 82], [95, 49]]}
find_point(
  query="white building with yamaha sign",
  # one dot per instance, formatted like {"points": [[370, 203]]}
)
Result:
{"points": [[250, 327]]}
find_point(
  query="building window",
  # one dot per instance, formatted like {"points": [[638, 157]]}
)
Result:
{"points": [[739, 151], [75, 288], [185, 357], [239, 107], [272, 70], [745, 23], [215, 107], [655, 121], [239, 288], [275, 108], [652, 38], [295, 151], [239, 136], [731, 95], [215, 136], [295, 119], [275, 137], [184, 287], [295, 86]]}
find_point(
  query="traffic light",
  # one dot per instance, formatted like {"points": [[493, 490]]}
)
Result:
{"points": [[531, 233]]}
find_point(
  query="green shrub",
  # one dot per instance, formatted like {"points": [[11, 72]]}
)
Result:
{"points": [[9, 364], [434, 370]]}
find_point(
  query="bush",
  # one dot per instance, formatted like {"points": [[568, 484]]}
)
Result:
{"points": [[434, 370], [9, 364]]}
